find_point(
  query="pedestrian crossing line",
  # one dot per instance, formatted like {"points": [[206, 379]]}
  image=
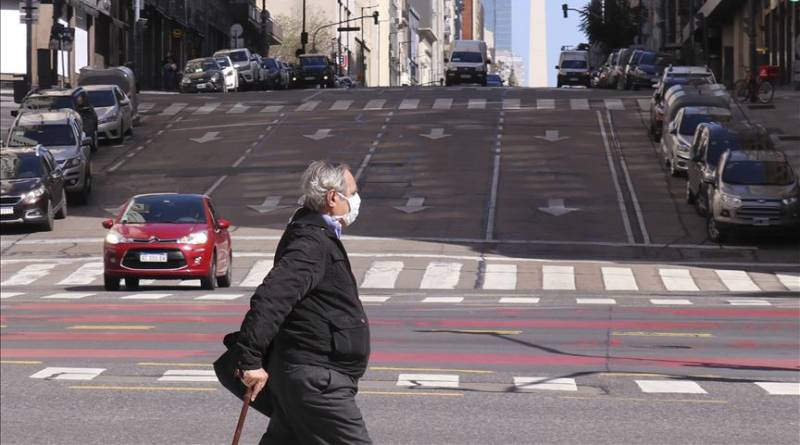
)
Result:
{"points": [[614, 104], [67, 296], [189, 375], [207, 108], [173, 109], [59, 373], [441, 276], [737, 281], [271, 109], [409, 104], [443, 299], [579, 104], [442, 104], [256, 274], [238, 108], [341, 105], [374, 298], [644, 104], [743, 302], [669, 301], [375, 104], [5, 295], [189, 283], [511, 104], [309, 105], [29, 274], [221, 297], [86, 274], [476, 104], [619, 278], [595, 301], [428, 380], [678, 280], [382, 275], [145, 296], [545, 104], [545, 383], [558, 278], [791, 281], [144, 107], [518, 300], [500, 276], [780, 388], [670, 387]]}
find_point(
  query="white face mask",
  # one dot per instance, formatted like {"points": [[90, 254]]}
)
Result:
{"points": [[355, 203]]}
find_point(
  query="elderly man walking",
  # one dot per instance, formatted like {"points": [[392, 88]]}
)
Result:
{"points": [[306, 315]]}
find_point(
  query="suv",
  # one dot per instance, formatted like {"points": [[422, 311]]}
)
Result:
{"points": [[275, 75], [657, 101], [711, 140], [60, 132], [752, 190], [246, 65], [675, 145], [316, 69], [31, 187], [645, 69], [688, 72], [55, 99]]}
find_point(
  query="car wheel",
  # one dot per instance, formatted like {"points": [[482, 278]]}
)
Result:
{"points": [[715, 233], [690, 198], [62, 212], [131, 283], [227, 279], [209, 282], [48, 223], [111, 284]]}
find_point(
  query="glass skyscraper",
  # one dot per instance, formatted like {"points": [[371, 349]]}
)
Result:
{"points": [[497, 18]]}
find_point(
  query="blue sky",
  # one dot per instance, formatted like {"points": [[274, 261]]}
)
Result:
{"points": [[560, 31]]}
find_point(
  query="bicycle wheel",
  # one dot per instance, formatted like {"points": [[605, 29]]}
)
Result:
{"points": [[765, 92], [740, 91]]}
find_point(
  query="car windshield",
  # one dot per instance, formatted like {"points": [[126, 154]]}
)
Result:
{"points": [[269, 63], [200, 66], [47, 135], [313, 61], [238, 56], [20, 167], [757, 173], [575, 64], [690, 122], [47, 102], [222, 61], [717, 146], [102, 98], [466, 57], [165, 209]]}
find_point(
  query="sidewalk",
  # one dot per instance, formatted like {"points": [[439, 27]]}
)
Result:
{"points": [[782, 121]]}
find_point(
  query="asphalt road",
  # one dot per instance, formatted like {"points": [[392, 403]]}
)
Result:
{"points": [[530, 270]]}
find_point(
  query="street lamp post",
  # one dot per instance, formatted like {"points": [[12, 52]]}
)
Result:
{"points": [[363, 57]]}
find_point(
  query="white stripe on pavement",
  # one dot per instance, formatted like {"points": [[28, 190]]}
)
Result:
{"points": [[791, 281], [173, 109], [271, 109], [558, 277], [530, 383], [145, 296], [500, 276], [737, 281], [519, 300], [238, 108], [428, 380], [443, 299], [442, 104], [145, 107], [59, 373], [780, 388], [743, 302], [614, 104], [619, 278], [374, 298], [257, 272], [85, 274], [511, 104], [67, 296], [4, 295], [308, 105], [545, 104], [341, 105], [375, 104], [579, 104], [188, 375], [476, 104], [207, 108], [669, 301], [382, 275], [670, 387], [409, 104], [678, 280], [441, 276], [644, 104], [29, 274], [222, 297], [595, 301]]}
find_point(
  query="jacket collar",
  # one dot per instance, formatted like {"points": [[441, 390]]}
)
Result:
{"points": [[307, 217]]}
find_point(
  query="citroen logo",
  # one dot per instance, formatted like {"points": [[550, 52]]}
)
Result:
{"points": [[154, 239]]}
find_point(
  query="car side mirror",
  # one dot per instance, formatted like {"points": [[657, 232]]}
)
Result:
{"points": [[556, 66], [125, 102], [223, 224], [86, 141], [108, 223], [14, 113]]}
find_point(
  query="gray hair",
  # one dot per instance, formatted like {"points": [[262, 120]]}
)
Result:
{"points": [[319, 178]]}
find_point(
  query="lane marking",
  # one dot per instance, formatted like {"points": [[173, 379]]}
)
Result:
{"points": [[442, 104], [271, 109], [365, 162], [639, 399], [678, 280], [615, 179], [742, 302], [780, 388], [172, 364], [579, 104], [409, 104], [238, 108], [173, 109], [474, 331], [662, 334], [614, 104], [188, 375], [59, 373], [558, 277], [619, 278], [670, 387], [207, 108], [143, 388], [545, 383], [440, 275], [375, 104], [428, 380], [500, 276], [545, 104], [511, 104], [669, 301], [109, 327], [737, 281], [4, 295], [476, 104], [221, 297], [216, 185], [153, 296], [29, 274], [412, 393], [644, 104], [341, 105], [256, 274], [308, 105], [595, 301], [491, 210], [382, 275], [461, 371], [629, 182], [442, 299], [790, 281], [518, 300], [20, 362], [373, 298], [67, 296], [86, 274]]}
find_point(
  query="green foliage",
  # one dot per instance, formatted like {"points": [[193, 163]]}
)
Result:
{"points": [[616, 27]]}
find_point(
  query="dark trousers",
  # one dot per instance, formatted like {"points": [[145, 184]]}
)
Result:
{"points": [[313, 405]]}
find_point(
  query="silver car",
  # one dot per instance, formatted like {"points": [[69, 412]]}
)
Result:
{"points": [[676, 144], [114, 111], [60, 132]]}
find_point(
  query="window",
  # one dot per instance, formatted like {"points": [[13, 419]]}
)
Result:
{"points": [[238, 56], [118, 93], [165, 209], [102, 98], [313, 61], [690, 122], [573, 64], [47, 102], [758, 173], [20, 167], [47, 135], [466, 57]]}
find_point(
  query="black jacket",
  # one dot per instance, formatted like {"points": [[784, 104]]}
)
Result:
{"points": [[307, 308]]}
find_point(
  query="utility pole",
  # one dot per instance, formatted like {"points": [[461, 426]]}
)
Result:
{"points": [[304, 34], [28, 44]]}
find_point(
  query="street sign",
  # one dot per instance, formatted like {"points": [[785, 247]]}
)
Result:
{"points": [[348, 28], [236, 30]]}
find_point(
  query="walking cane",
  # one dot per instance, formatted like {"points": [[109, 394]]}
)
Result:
{"points": [[242, 415]]}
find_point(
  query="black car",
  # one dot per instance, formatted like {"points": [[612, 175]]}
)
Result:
{"points": [[31, 187], [203, 75], [316, 69], [275, 75], [55, 99], [645, 69]]}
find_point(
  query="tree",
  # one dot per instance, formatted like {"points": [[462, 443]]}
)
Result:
{"points": [[512, 79], [615, 27], [292, 27]]}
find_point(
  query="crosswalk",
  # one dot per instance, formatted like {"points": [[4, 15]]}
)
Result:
{"points": [[444, 274], [405, 104]]}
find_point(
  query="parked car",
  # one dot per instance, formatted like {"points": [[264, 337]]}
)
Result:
{"points": [[753, 190], [616, 77], [120, 76], [494, 80], [114, 111], [657, 101], [344, 82], [31, 187], [286, 71], [275, 76], [55, 99], [207, 74], [167, 236], [247, 66], [646, 69], [316, 69], [711, 140], [61, 134], [679, 96], [600, 77], [688, 72], [676, 144]]}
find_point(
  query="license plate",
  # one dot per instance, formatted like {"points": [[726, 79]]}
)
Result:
{"points": [[153, 257], [201, 86], [760, 221], [465, 76], [309, 77], [6, 210], [574, 79]]}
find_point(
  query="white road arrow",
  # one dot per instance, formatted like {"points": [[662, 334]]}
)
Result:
{"points": [[435, 133], [320, 134], [413, 205], [552, 136], [208, 137], [556, 207], [270, 204]]}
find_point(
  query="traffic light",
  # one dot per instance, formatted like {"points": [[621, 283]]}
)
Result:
{"points": [[375, 17], [564, 7]]}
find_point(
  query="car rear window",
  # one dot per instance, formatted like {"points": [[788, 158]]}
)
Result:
{"points": [[690, 122], [165, 209], [573, 64], [102, 98], [47, 102], [313, 61], [466, 57], [269, 63], [47, 135], [757, 173], [238, 56], [20, 167], [222, 61]]}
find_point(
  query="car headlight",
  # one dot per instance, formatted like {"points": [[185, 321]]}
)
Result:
{"points": [[789, 201], [34, 195], [186, 80], [195, 238], [72, 162], [109, 118], [115, 238], [324, 77], [730, 200], [215, 77]]}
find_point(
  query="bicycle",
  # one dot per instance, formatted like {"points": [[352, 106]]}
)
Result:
{"points": [[755, 88]]}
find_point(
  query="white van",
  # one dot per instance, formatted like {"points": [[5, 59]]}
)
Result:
{"points": [[573, 69], [246, 65], [467, 62]]}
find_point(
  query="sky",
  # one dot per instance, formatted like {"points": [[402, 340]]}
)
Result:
{"points": [[560, 31]]}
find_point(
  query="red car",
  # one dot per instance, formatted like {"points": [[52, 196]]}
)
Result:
{"points": [[167, 236]]}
